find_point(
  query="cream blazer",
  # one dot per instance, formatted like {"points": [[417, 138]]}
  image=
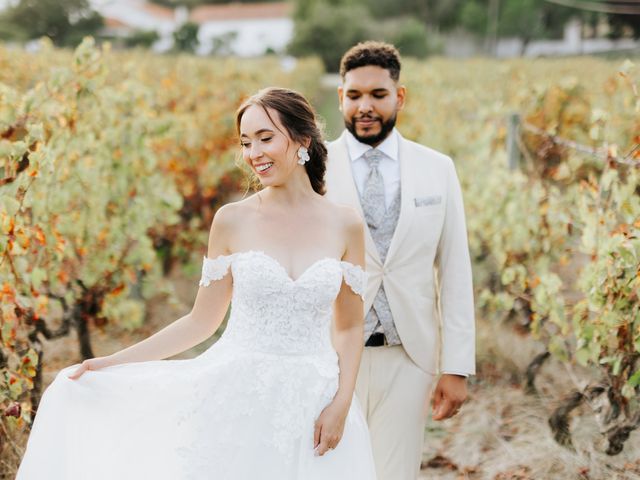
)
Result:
{"points": [[427, 272]]}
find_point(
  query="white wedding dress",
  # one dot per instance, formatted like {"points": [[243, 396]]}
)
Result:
{"points": [[242, 410]]}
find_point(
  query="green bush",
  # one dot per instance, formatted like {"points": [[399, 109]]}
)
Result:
{"points": [[142, 38], [328, 31]]}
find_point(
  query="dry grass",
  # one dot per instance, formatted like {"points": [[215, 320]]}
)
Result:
{"points": [[502, 433]]}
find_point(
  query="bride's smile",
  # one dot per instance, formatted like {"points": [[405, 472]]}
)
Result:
{"points": [[263, 167]]}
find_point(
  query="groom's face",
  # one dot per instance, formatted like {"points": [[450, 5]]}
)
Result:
{"points": [[370, 101]]}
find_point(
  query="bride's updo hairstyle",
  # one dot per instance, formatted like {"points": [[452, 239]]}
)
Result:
{"points": [[299, 119]]}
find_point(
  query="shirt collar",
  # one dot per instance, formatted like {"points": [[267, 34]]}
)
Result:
{"points": [[389, 146]]}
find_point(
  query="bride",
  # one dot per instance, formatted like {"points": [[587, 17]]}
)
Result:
{"points": [[273, 398]]}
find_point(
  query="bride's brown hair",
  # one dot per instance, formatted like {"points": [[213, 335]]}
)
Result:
{"points": [[299, 119]]}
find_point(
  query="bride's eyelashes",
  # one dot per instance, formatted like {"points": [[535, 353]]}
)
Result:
{"points": [[248, 144]]}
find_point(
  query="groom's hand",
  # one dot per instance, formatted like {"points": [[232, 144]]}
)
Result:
{"points": [[450, 394]]}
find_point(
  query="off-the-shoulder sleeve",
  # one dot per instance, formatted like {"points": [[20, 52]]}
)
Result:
{"points": [[355, 277], [214, 269]]}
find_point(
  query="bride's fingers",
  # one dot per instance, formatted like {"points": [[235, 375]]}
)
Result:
{"points": [[323, 447], [79, 371], [316, 435], [328, 442], [323, 443]]}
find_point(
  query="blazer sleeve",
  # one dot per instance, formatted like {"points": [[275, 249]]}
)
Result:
{"points": [[454, 283]]}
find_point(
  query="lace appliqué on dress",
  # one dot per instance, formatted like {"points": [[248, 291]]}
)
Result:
{"points": [[214, 269], [355, 277]]}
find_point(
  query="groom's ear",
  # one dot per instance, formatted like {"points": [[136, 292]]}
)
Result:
{"points": [[340, 95], [401, 93]]}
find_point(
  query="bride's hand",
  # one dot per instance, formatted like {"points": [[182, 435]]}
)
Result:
{"points": [[91, 364], [329, 427]]}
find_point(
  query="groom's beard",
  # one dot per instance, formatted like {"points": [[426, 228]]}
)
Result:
{"points": [[385, 129]]}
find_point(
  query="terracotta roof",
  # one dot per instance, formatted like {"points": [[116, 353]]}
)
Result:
{"points": [[240, 11], [114, 23], [158, 11]]}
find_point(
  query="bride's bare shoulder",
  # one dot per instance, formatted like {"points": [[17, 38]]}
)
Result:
{"points": [[228, 217], [350, 223], [230, 212], [347, 216], [227, 221]]}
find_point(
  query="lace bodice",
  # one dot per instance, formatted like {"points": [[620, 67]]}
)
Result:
{"points": [[271, 312]]}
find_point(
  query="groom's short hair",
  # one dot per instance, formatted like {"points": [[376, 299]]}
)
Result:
{"points": [[380, 54]]}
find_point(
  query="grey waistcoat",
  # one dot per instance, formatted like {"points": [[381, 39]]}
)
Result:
{"points": [[379, 316]]}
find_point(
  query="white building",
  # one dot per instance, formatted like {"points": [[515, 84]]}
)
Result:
{"points": [[125, 17], [244, 29]]}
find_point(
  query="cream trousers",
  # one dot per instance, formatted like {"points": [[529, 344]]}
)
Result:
{"points": [[393, 392]]}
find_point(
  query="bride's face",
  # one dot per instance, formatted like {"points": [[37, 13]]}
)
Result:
{"points": [[266, 147]]}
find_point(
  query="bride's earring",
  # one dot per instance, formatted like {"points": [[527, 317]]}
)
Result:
{"points": [[303, 155]]}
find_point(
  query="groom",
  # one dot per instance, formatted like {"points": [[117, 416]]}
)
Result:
{"points": [[419, 299]]}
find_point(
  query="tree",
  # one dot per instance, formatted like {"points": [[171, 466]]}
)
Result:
{"points": [[619, 23], [223, 44], [531, 19], [328, 31], [142, 38], [195, 3], [527, 19], [65, 23], [410, 36], [474, 17], [185, 38], [437, 14]]}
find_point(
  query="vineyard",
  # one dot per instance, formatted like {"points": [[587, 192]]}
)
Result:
{"points": [[113, 163], [555, 241]]}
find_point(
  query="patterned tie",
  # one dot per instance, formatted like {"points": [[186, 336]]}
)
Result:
{"points": [[373, 203]]}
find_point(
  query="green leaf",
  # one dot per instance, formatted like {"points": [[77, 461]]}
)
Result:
{"points": [[582, 356], [558, 348], [9, 204], [634, 380], [628, 391], [616, 366], [38, 275], [36, 131]]}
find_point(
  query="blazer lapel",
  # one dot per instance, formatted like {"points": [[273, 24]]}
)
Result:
{"points": [[407, 194], [345, 191]]}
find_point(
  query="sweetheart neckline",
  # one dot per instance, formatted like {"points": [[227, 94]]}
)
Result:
{"points": [[284, 270]]}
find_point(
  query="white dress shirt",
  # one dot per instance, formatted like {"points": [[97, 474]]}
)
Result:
{"points": [[389, 166]]}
